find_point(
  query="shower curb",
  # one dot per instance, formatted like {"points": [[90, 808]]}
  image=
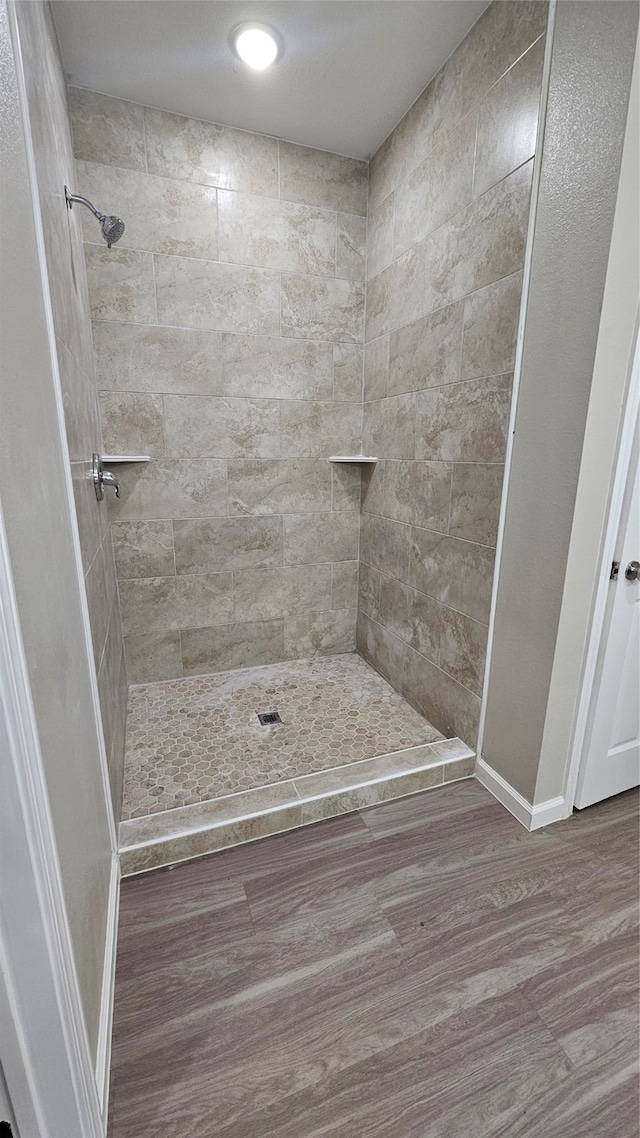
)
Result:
{"points": [[186, 832]]}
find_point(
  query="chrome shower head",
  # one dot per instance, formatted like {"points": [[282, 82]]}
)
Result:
{"points": [[112, 227]]}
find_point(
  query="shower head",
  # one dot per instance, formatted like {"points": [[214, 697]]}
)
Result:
{"points": [[112, 227]]}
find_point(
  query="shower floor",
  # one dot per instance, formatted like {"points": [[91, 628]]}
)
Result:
{"points": [[197, 756]]}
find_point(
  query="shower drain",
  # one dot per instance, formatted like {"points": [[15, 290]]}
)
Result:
{"points": [[267, 717]]}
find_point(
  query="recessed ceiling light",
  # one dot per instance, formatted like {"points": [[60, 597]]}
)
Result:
{"points": [[256, 45]]}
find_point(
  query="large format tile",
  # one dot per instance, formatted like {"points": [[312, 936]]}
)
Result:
{"points": [[476, 493], [211, 427], [418, 493], [312, 538], [320, 308], [490, 328], [143, 549], [161, 215], [426, 353], [153, 656], [263, 594], [139, 357], [464, 422], [171, 488], [106, 129], [376, 369], [320, 632], [242, 645], [437, 189], [317, 177], [508, 120], [276, 235], [132, 423], [463, 648], [411, 616], [273, 368], [458, 573], [207, 294], [206, 545], [156, 604], [380, 236], [292, 486], [316, 430], [346, 483], [197, 151], [121, 284], [351, 246], [347, 373], [344, 585], [388, 429], [385, 545], [449, 705]]}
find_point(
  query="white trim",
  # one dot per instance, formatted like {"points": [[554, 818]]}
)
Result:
{"points": [[631, 411], [531, 817], [103, 1049], [45, 933], [67, 487], [517, 370]]}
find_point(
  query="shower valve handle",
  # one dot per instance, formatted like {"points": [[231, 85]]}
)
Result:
{"points": [[102, 478]]}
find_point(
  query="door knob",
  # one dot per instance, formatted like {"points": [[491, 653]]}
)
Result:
{"points": [[102, 478], [632, 572]]}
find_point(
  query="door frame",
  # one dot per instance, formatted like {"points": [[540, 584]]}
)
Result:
{"points": [[598, 630]]}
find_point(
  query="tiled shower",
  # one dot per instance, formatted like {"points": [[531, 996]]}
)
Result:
{"points": [[270, 306]]}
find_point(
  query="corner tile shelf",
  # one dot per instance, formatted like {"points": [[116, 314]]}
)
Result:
{"points": [[352, 458], [189, 831], [111, 458]]}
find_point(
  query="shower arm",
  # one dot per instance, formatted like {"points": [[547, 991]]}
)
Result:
{"points": [[71, 198]]}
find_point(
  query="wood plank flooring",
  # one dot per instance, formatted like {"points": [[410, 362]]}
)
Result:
{"points": [[422, 969]]}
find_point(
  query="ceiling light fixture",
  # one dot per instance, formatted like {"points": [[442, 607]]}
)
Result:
{"points": [[256, 45]]}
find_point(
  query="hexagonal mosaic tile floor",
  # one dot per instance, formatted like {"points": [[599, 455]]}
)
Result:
{"points": [[195, 739]]}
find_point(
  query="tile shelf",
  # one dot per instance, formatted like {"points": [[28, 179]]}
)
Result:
{"points": [[352, 458], [111, 458]]}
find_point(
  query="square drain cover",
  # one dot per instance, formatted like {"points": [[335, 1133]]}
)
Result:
{"points": [[267, 717]]}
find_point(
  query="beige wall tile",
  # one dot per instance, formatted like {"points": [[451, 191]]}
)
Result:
{"points": [[490, 328], [312, 538], [139, 357], [212, 544], [386, 652], [369, 581], [171, 488], [263, 594], [344, 585], [346, 481], [100, 583], [376, 369], [221, 428], [463, 649], [160, 604], [198, 151], [205, 294], [161, 215], [458, 573], [106, 129], [411, 616], [261, 486], [268, 367], [389, 427], [80, 401], [132, 423], [418, 493], [451, 707], [317, 177], [143, 549], [319, 633], [464, 422], [373, 488], [508, 120], [316, 430], [276, 235], [322, 309], [153, 656], [385, 545], [121, 284], [351, 246], [476, 491], [244, 645], [426, 353], [437, 189], [347, 373], [380, 236]]}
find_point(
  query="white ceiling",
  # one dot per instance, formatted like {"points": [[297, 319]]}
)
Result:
{"points": [[348, 73]]}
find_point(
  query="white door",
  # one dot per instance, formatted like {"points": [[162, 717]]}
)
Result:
{"points": [[611, 758]]}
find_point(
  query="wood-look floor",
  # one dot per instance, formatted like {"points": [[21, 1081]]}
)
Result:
{"points": [[424, 968]]}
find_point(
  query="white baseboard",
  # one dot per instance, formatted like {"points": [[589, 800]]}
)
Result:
{"points": [[103, 1057], [531, 817]]}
